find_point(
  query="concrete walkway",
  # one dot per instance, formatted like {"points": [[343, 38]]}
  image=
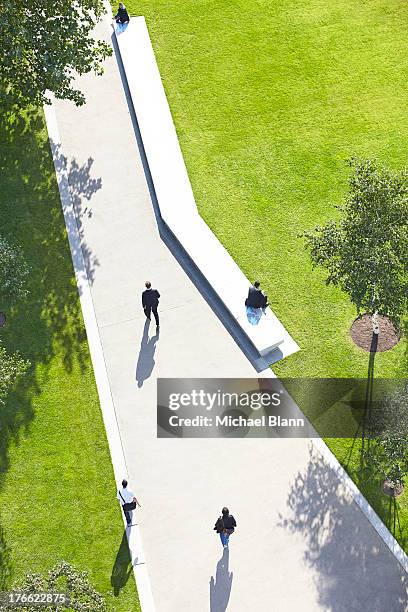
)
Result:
{"points": [[302, 544]]}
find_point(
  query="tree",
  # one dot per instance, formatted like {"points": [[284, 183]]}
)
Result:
{"points": [[63, 578], [43, 43], [14, 272], [366, 251], [12, 367]]}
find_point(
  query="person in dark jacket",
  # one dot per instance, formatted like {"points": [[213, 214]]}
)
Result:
{"points": [[225, 525], [122, 14], [256, 297], [150, 302]]}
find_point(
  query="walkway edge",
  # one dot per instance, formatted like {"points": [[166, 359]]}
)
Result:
{"points": [[163, 105], [98, 360], [362, 503]]}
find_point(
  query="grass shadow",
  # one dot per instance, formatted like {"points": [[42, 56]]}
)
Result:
{"points": [[5, 562], [49, 322]]}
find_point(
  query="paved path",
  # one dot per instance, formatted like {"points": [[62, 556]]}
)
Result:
{"points": [[302, 544]]}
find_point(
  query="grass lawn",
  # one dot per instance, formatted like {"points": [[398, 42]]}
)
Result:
{"points": [[269, 99], [57, 489]]}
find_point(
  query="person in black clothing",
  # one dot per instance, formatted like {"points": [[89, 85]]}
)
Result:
{"points": [[225, 525], [256, 297], [150, 302], [122, 14]]}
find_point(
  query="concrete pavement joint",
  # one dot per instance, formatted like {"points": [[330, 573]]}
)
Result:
{"points": [[105, 325]]}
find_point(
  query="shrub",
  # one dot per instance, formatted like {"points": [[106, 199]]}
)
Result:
{"points": [[63, 578]]}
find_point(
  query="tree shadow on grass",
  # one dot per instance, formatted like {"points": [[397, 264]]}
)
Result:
{"points": [[5, 562], [122, 568], [360, 440], [367, 476], [354, 568], [49, 322], [404, 334]]}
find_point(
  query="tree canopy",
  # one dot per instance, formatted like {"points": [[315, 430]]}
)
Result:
{"points": [[43, 43], [366, 251]]}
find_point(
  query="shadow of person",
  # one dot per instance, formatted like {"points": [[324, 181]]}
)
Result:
{"points": [[122, 568], [145, 361], [220, 588]]}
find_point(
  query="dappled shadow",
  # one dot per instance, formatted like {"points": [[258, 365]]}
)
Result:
{"points": [[49, 322], [81, 187], [393, 522], [404, 333], [145, 362], [361, 442], [220, 587], [367, 472], [354, 569], [122, 568], [16, 415]]}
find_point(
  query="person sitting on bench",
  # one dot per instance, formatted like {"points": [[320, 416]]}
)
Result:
{"points": [[256, 297], [122, 14]]}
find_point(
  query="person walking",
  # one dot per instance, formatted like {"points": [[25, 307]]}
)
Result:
{"points": [[128, 501], [225, 525], [150, 302], [122, 15]]}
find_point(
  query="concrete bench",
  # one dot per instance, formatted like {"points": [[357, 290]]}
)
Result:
{"points": [[175, 196], [229, 282]]}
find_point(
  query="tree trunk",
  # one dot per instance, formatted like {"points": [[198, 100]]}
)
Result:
{"points": [[375, 324]]}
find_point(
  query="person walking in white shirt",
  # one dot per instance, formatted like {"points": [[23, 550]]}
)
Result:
{"points": [[128, 501]]}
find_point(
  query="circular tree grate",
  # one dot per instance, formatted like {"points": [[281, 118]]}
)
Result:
{"points": [[362, 334]]}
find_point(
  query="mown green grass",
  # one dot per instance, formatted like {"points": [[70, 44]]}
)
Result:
{"points": [[269, 99], [57, 488]]}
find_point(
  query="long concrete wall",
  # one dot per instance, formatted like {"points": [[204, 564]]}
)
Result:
{"points": [[175, 196]]}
